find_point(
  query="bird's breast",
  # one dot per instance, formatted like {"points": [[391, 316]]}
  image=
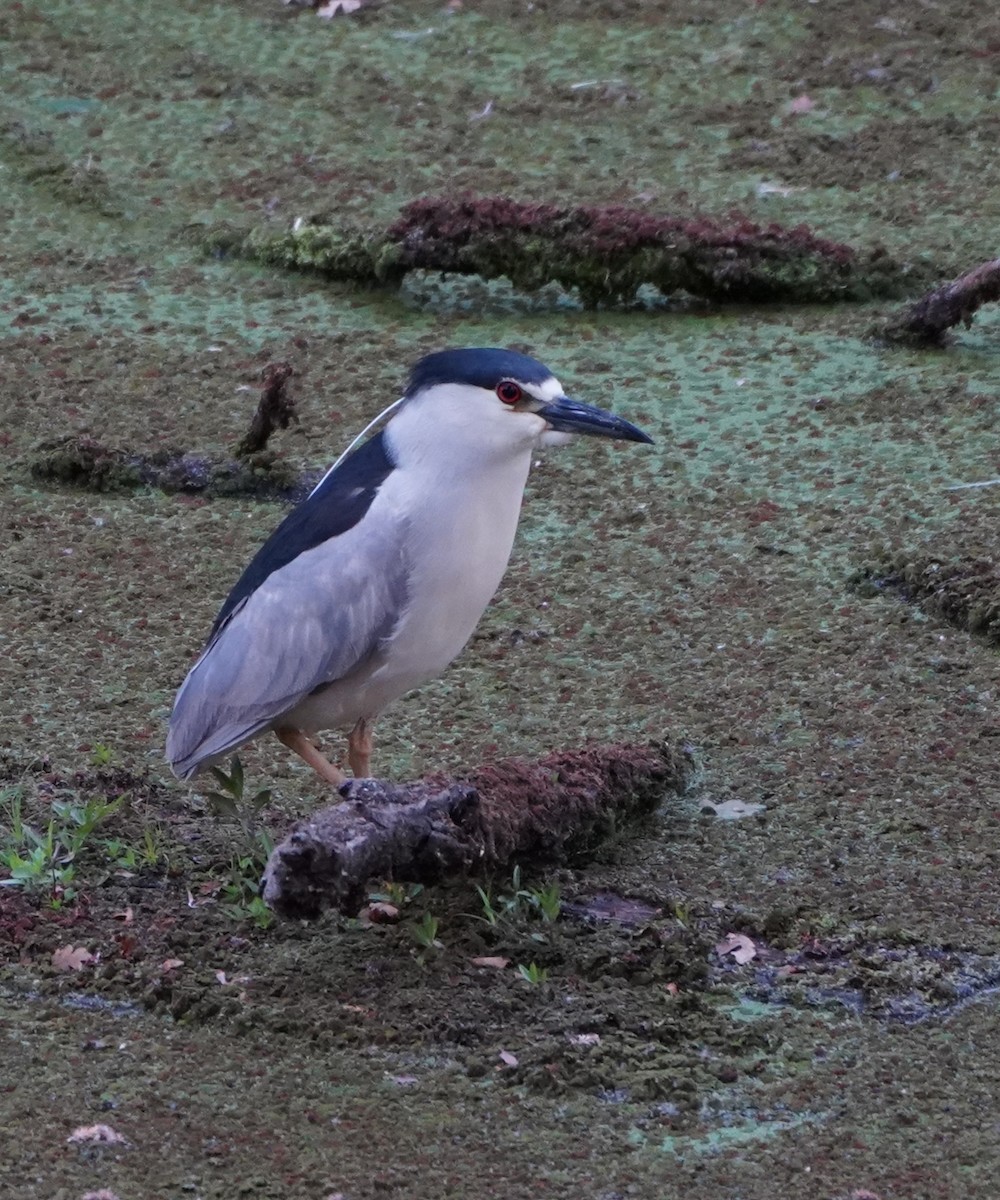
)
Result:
{"points": [[459, 538]]}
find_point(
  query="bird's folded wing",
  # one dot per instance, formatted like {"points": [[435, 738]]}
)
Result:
{"points": [[311, 622]]}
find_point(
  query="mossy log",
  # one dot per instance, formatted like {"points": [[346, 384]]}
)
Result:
{"points": [[605, 254], [556, 810], [926, 322]]}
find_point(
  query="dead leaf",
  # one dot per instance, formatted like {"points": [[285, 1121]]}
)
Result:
{"points": [[382, 913], [221, 977], [495, 961], [333, 7], [171, 964], [99, 1134], [802, 104], [126, 916], [776, 189], [673, 989], [739, 946], [100, 1194], [508, 1059], [72, 958], [584, 1039], [403, 1080], [731, 810]]}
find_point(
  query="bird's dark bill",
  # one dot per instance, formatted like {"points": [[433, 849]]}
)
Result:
{"points": [[573, 416]]}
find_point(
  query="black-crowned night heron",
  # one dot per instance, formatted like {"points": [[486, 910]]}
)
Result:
{"points": [[375, 582]]}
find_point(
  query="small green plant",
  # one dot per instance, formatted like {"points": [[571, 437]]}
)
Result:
{"points": [[101, 755], [533, 973], [77, 820], [151, 850], [232, 804], [12, 801], [504, 905], [244, 902], [40, 866], [42, 858], [130, 857], [399, 894], [546, 902], [490, 914], [242, 889], [425, 933]]}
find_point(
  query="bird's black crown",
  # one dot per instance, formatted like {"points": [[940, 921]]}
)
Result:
{"points": [[483, 368]]}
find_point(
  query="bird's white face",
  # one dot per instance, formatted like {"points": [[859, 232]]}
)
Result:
{"points": [[477, 423], [524, 398], [473, 424]]}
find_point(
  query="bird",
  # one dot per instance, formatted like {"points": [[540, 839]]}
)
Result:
{"points": [[374, 583]]}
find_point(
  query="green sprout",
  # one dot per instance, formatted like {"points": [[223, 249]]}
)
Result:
{"points": [[101, 755], [533, 973], [231, 804], [398, 894], [425, 932], [546, 902], [43, 858]]}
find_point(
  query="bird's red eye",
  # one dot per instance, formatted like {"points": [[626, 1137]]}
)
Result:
{"points": [[509, 392]]}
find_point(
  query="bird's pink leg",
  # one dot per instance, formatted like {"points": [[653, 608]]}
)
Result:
{"points": [[359, 748], [297, 741]]}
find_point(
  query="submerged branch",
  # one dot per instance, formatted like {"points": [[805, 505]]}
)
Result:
{"points": [[88, 463], [276, 410], [927, 321], [558, 809], [85, 462]]}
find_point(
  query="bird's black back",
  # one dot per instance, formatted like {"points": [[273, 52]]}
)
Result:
{"points": [[337, 504]]}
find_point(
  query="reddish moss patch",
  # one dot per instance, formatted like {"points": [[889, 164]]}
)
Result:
{"points": [[604, 253]]}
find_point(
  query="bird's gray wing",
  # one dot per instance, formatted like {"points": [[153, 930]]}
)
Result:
{"points": [[309, 623]]}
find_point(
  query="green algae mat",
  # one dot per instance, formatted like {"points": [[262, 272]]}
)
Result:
{"points": [[786, 983]]}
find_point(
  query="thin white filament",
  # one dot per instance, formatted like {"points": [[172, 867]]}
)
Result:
{"points": [[386, 412]]}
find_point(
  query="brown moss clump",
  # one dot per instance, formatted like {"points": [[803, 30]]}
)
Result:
{"points": [[86, 463], [607, 253], [964, 592]]}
